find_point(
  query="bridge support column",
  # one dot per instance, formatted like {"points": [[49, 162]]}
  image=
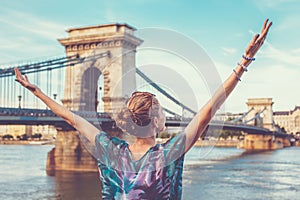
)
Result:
{"points": [[261, 142], [286, 142], [69, 154]]}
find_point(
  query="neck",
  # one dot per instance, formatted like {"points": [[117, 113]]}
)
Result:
{"points": [[150, 141]]}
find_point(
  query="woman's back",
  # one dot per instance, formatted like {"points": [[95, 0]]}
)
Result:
{"points": [[156, 175]]}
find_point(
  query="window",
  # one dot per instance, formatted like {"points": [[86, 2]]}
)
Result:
{"points": [[297, 121]]}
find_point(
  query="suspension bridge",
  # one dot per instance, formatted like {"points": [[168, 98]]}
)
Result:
{"points": [[95, 76], [34, 116]]}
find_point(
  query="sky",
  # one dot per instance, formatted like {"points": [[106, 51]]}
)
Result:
{"points": [[30, 29]]}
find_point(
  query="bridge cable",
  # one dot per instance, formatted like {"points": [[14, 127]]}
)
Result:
{"points": [[139, 72], [55, 63], [242, 117], [33, 67], [36, 99], [50, 85], [23, 89], [1, 86], [256, 116], [5, 92], [59, 82], [171, 112], [12, 85]]}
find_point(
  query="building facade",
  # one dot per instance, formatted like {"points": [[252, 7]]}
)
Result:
{"points": [[260, 109], [48, 132], [289, 120]]}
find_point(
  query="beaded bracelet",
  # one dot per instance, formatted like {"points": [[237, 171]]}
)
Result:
{"points": [[237, 76], [248, 58], [243, 66]]}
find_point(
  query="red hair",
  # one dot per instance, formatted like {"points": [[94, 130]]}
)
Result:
{"points": [[140, 109]]}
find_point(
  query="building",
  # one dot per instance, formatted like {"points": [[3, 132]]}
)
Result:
{"points": [[260, 113], [227, 116], [48, 132], [13, 130], [289, 120]]}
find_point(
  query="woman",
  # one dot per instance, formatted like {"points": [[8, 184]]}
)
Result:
{"points": [[145, 170]]}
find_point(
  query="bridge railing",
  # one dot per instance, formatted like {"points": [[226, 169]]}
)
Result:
{"points": [[47, 113]]}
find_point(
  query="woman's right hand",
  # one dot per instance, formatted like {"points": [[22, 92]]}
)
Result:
{"points": [[258, 40], [23, 80]]}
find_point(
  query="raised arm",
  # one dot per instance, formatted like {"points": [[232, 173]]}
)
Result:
{"points": [[197, 126], [80, 124]]}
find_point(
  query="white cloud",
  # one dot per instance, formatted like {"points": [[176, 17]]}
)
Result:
{"points": [[273, 4], [290, 57], [175, 73], [32, 24], [228, 50], [289, 22], [277, 81], [274, 75], [33, 36]]}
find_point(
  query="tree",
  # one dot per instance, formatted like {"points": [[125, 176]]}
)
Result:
{"points": [[230, 133], [164, 135], [24, 137], [282, 129], [37, 136], [7, 137]]}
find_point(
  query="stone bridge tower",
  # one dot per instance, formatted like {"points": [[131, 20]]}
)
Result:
{"points": [[116, 67], [261, 112], [118, 45]]}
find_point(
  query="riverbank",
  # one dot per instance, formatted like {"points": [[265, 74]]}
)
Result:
{"points": [[26, 142], [199, 143], [205, 143], [217, 143]]}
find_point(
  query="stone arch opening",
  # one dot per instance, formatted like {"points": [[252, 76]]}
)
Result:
{"points": [[258, 121], [90, 89]]}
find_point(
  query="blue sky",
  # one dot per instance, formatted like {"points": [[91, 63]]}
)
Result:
{"points": [[30, 29]]}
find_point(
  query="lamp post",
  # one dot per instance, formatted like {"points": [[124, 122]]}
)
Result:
{"points": [[54, 96], [19, 98], [100, 100]]}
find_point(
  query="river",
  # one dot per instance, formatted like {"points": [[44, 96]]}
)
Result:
{"points": [[209, 173]]}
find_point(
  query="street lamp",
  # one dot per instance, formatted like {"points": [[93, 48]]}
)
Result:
{"points": [[19, 98], [54, 95], [100, 102]]}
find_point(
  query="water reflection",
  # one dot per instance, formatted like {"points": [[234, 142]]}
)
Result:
{"points": [[224, 173], [232, 174], [76, 185]]}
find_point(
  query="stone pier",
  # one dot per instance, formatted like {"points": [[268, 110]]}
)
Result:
{"points": [[264, 142], [69, 154]]}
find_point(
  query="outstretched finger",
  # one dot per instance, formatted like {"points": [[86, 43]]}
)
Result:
{"points": [[264, 33], [17, 73], [264, 26], [266, 30], [26, 78], [253, 41]]}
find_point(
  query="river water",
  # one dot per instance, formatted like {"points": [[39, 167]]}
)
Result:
{"points": [[209, 173]]}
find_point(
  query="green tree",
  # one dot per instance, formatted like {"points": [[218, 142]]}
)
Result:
{"points": [[37, 136], [164, 135], [24, 137], [7, 137]]}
